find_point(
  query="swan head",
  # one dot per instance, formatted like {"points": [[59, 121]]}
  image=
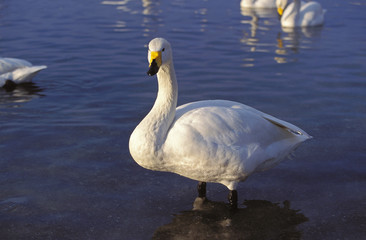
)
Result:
{"points": [[159, 54], [281, 5]]}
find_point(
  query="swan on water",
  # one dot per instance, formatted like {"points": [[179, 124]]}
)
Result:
{"points": [[300, 14], [14, 71], [216, 141]]}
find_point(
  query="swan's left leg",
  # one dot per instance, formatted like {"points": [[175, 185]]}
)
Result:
{"points": [[201, 189], [233, 199]]}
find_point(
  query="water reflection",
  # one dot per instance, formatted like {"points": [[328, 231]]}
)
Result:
{"points": [[291, 40], [151, 8], [259, 219], [21, 93], [202, 15], [150, 15], [260, 23], [151, 20], [287, 42], [120, 5], [120, 25], [259, 12]]}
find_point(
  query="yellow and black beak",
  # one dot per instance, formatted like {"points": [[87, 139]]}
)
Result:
{"points": [[155, 63], [280, 11]]}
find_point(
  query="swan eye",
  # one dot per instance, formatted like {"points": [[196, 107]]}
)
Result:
{"points": [[163, 50]]}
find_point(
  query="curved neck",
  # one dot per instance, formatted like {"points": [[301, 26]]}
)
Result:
{"points": [[162, 114], [292, 11], [166, 100]]}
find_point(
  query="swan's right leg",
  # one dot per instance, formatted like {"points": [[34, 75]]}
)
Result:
{"points": [[233, 199], [201, 189]]}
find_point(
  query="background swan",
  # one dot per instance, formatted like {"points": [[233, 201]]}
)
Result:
{"points": [[258, 3], [17, 71], [208, 141], [300, 14]]}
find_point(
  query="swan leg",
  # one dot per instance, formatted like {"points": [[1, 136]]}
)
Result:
{"points": [[233, 199], [201, 189], [9, 85]]}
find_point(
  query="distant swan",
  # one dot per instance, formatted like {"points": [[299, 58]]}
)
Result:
{"points": [[208, 141], [300, 14], [258, 3], [15, 71]]}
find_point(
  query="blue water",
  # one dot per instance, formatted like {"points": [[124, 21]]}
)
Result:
{"points": [[65, 169]]}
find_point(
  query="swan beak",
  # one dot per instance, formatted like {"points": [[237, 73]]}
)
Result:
{"points": [[280, 11], [155, 63]]}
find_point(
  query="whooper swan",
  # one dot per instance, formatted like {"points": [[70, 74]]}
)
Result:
{"points": [[209, 141], [300, 14]]}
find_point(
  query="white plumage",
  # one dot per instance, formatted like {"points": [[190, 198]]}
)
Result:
{"points": [[208, 141], [300, 14], [258, 3], [17, 70]]}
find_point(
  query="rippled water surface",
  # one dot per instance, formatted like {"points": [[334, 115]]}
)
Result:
{"points": [[65, 168]]}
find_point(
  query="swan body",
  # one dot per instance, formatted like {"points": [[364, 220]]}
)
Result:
{"points": [[209, 141], [258, 3], [17, 70], [300, 14]]}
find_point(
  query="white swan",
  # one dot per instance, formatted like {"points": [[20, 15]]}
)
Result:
{"points": [[208, 141], [300, 14], [17, 71], [258, 3]]}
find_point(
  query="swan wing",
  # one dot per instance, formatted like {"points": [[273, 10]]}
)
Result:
{"points": [[10, 64], [311, 14], [225, 141], [17, 70], [26, 74]]}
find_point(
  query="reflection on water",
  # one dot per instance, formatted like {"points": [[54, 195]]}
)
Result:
{"points": [[260, 24], [120, 26], [291, 40], [259, 219], [259, 12], [121, 5], [202, 15], [252, 39], [150, 16], [21, 93], [151, 20], [287, 41], [151, 8]]}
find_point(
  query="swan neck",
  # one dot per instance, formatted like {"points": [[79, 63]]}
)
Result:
{"points": [[162, 113], [167, 88], [149, 136], [291, 12]]}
